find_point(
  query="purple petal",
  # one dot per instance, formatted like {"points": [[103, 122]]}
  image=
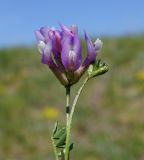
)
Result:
{"points": [[71, 53], [39, 36], [47, 53], [47, 59], [44, 31], [51, 34], [77, 48], [91, 53], [66, 46], [57, 43], [66, 30]]}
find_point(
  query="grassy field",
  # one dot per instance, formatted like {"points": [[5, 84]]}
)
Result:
{"points": [[109, 119]]}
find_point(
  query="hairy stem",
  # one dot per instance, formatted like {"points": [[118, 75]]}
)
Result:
{"points": [[67, 115], [68, 129], [67, 104]]}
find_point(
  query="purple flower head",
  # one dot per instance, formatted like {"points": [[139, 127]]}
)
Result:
{"points": [[62, 52]]}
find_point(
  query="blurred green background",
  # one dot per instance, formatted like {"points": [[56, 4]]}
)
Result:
{"points": [[109, 119]]}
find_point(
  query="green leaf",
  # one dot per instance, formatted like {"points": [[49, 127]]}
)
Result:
{"points": [[55, 128], [71, 146], [62, 140], [97, 68], [59, 133]]}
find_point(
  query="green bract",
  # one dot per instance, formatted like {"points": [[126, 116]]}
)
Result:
{"points": [[97, 68]]}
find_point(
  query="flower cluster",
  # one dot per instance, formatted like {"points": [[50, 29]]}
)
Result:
{"points": [[62, 52]]}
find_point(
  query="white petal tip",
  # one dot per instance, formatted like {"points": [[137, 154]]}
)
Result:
{"points": [[74, 28], [41, 46], [98, 45]]}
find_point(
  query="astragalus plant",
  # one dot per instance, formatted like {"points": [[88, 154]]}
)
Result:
{"points": [[61, 50]]}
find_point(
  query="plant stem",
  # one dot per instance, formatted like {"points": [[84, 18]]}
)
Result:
{"points": [[68, 129], [67, 109], [67, 104], [54, 147]]}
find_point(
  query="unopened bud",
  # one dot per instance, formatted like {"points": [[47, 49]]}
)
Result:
{"points": [[96, 69]]}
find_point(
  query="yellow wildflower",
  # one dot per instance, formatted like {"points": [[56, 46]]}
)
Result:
{"points": [[140, 75], [50, 113]]}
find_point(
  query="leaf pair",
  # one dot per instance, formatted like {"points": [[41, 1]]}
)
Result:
{"points": [[59, 135]]}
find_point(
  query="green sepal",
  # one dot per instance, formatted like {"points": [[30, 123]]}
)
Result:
{"points": [[97, 68], [58, 134], [62, 141]]}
